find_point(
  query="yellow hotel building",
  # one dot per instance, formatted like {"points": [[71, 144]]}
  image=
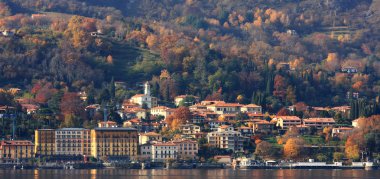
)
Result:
{"points": [[44, 142], [114, 142], [16, 150]]}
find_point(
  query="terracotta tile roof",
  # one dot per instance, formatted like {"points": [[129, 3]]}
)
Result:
{"points": [[343, 128], [30, 106], [245, 127], [263, 122], [136, 120], [16, 142], [255, 115], [224, 127], [160, 107], [107, 122], [320, 120], [229, 115], [138, 95], [302, 126], [134, 110], [341, 108], [251, 106], [210, 102], [26, 101], [150, 134], [5, 107], [185, 141], [165, 144], [221, 156], [321, 108], [226, 105], [93, 106], [288, 118]]}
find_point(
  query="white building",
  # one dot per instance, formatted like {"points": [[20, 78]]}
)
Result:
{"points": [[179, 99], [145, 98], [225, 108], [164, 151], [146, 151], [319, 123], [72, 141], [285, 122], [252, 108], [161, 111], [190, 129], [226, 138], [145, 138]]}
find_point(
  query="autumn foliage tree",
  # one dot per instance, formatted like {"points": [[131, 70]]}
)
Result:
{"points": [[352, 149], [279, 87], [71, 103], [71, 109], [265, 149], [45, 93], [79, 29], [180, 116], [293, 148], [364, 138]]}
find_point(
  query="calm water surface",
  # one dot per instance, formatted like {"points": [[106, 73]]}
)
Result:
{"points": [[187, 174]]}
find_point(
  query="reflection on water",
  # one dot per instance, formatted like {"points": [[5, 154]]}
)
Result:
{"points": [[187, 174], [93, 173], [36, 176]]}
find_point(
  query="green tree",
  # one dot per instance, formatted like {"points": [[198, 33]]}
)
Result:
{"points": [[338, 156], [322, 157], [291, 95], [54, 102]]}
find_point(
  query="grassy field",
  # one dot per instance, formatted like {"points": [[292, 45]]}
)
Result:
{"points": [[127, 60]]}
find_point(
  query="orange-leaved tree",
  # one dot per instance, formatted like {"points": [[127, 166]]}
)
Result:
{"points": [[293, 148]]}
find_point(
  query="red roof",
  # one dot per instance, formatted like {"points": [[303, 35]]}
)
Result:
{"points": [[320, 120], [164, 144], [138, 95], [289, 118], [262, 122], [251, 106], [150, 134], [227, 105], [16, 142], [30, 106]]}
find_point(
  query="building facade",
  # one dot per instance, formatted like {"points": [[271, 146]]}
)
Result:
{"points": [[144, 99], [44, 142], [190, 129], [145, 138], [187, 149], [285, 122], [179, 99], [225, 108], [164, 151], [252, 108], [226, 138], [161, 111], [319, 123], [16, 151], [114, 142], [72, 141]]}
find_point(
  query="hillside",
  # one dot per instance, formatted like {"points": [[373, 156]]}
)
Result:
{"points": [[212, 49]]}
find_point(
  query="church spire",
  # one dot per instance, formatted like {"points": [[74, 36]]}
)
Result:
{"points": [[147, 89]]}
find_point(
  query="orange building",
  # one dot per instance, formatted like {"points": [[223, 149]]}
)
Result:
{"points": [[16, 150]]}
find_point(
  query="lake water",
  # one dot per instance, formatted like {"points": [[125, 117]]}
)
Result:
{"points": [[187, 174]]}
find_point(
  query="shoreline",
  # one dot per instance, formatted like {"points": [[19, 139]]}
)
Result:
{"points": [[198, 167]]}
